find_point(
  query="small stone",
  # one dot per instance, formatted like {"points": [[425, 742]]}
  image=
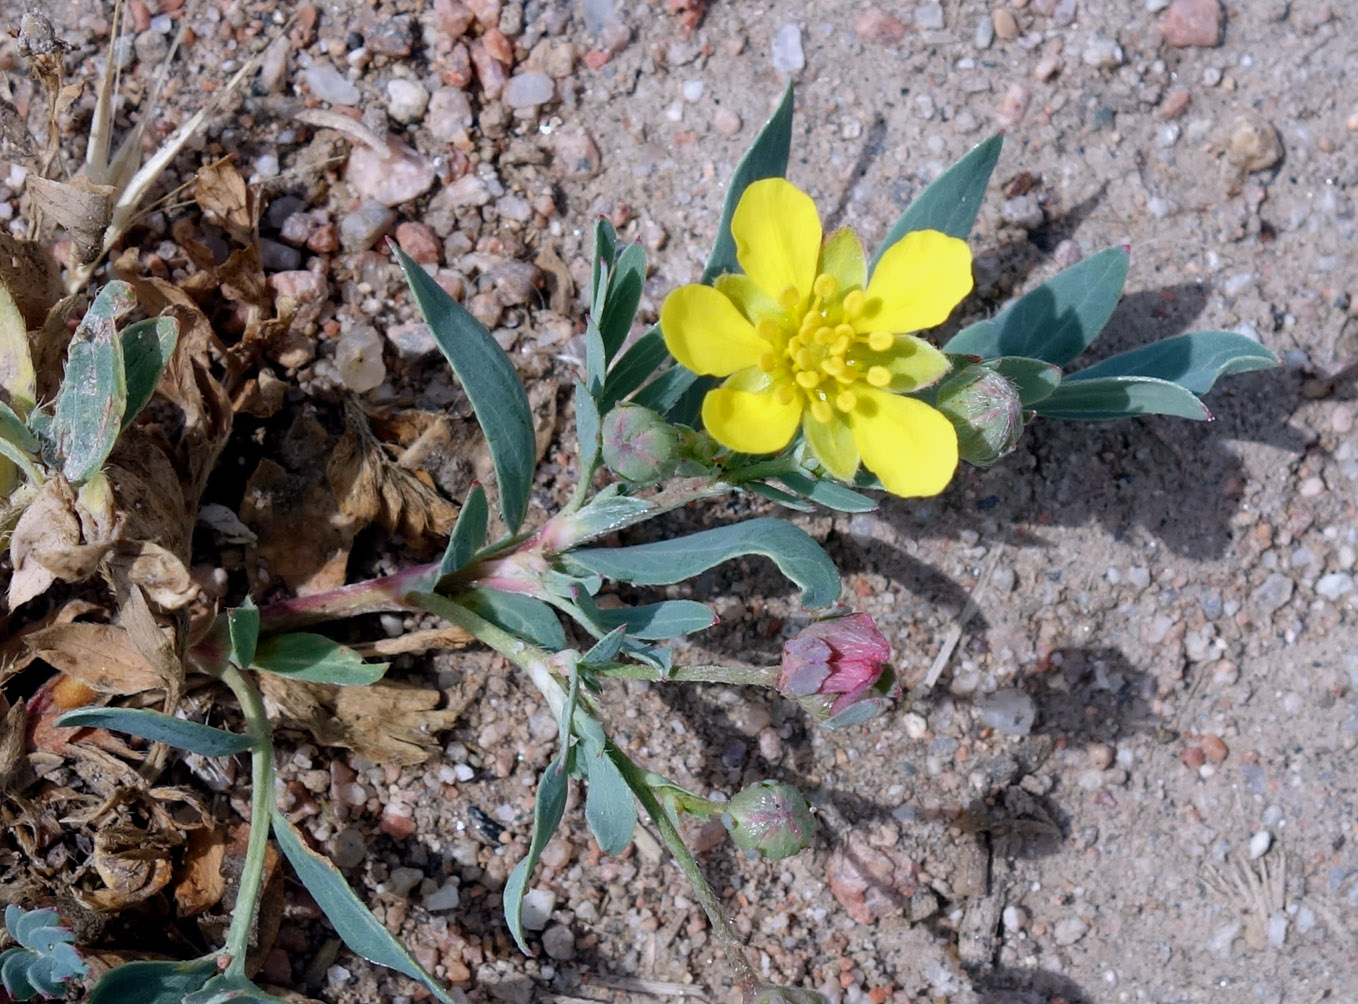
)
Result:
{"points": [[486, 308], [412, 342], [1005, 24], [1066, 254], [391, 179], [325, 238], [1009, 711], [276, 257], [1023, 211], [391, 36], [1334, 585], [1214, 748], [402, 880], [877, 26], [726, 122], [527, 90], [151, 48], [406, 99], [327, 84], [361, 229], [418, 241], [1273, 594], [487, 12], [348, 848], [576, 153], [1013, 106], [1252, 144], [468, 190], [396, 821], [1102, 52], [788, 56], [560, 60], [558, 942], [929, 16], [1175, 102], [514, 207], [490, 72], [358, 359], [1046, 68], [1070, 930], [1260, 842], [1192, 22], [515, 282], [445, 897], [1192, 757], [452, 18], [538, 904], [1015, 918], [1341, 419], [1311, 487], [985, 33], [1100, 755], [870, 882]]}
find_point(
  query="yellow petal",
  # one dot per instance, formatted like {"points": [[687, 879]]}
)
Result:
{"points": [[832, 443], [911, 447], [917, 283], [912, 362], [752, 302], [777, 234], [707, 334], [751, 421], [842, 257]]}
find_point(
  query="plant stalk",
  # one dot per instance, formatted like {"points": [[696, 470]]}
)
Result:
{"points": [[751, 676]]}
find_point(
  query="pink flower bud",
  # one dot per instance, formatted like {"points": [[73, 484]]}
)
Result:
{"points": [[836, 669]]}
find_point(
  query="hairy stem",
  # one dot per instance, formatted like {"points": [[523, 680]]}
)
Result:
{"points": [[371, 597], [754, 676]]}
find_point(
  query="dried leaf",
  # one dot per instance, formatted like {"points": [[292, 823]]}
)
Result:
{"points": [[200, 883], [304, 538], [221, 193], [371, 487], [16, 142], [50, 543], [11, 741], [414, 642], [385, 722], [101, 656], [18, 384], [80, 207], [133, 863], [29, 272]]}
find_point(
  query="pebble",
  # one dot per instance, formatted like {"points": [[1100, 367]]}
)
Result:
{"points": [[1015, 918], [349, 848], [445, 897], [392, 178], [528, 90], [538, 905], [1334, 585], [1252, 144], [1070, 930], [328, 84], [365, 226], [1100, 755], [1009, 711], [929, 16], [788, 56], [397, 822], [402, 880], [1214, 748], [726, 122], [151, 48], [985, 32], [468, 190], [1260, 842], [576, 153], [1192, 23], [1046, 68], [558, 942], [1013, 106], [1341, 419], [1102, 52], [449, 116], [1273, 594], [406, 99], [418, 241], [358, 359], [1004, 23], [876, 25]]}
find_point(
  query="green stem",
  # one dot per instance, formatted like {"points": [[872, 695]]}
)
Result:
{"points": [[750, 676], [261, 806], [734, 948]]}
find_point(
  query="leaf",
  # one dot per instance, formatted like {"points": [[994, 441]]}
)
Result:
{"points": [[548, 809], [666, 392], [664, 562], [606, 649], [195, 737], [101, 656], [610, 806], [633, 368], [587, 425], [601, 263], [778, 496], [491, 384], [666, 619], [766, 158], [595, 361], [469, 532], [952, 200], [605, 513], [528, 618], [316, 658], [17, 380], [243, 626], [1102, 398], [14, 965], [1057, 320], [1034, 379], [1193, 361], [231, 988], [624, 295], [93, 394], [361, 931], [152, 982], [828, 493], [147, 348]]}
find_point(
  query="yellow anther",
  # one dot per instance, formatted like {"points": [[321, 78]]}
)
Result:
{"points": [[880, 341], [767, 329], [820, 411], [834, 365], [844, 331], [847, 401], [808, 379], [789, 298], [853, 303], [847, 375], [804, 359], [824, 335], [784, 393], [767, 362], [840, 346], [825, 286], [879, 376]]}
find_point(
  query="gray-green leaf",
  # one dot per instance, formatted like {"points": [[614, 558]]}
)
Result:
{"points": [[1193, 361], [361, 931], [610, 806], [195, 737], [147, 348], [243, 626], [152, 982], [469, 532], [797, 555], [547, 812], [491, 384], [314, 657], [654, 621], [528, 618], [1102, 398]]}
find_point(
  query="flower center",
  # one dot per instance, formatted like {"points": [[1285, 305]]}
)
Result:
{"points": [[814, 352]]}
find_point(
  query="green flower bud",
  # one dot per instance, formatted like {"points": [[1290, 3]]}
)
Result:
{"points": [[770, 819], [640, 446], [985, 409]]}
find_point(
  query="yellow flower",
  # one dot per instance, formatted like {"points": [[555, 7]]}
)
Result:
{"points": [[805, 339]]}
